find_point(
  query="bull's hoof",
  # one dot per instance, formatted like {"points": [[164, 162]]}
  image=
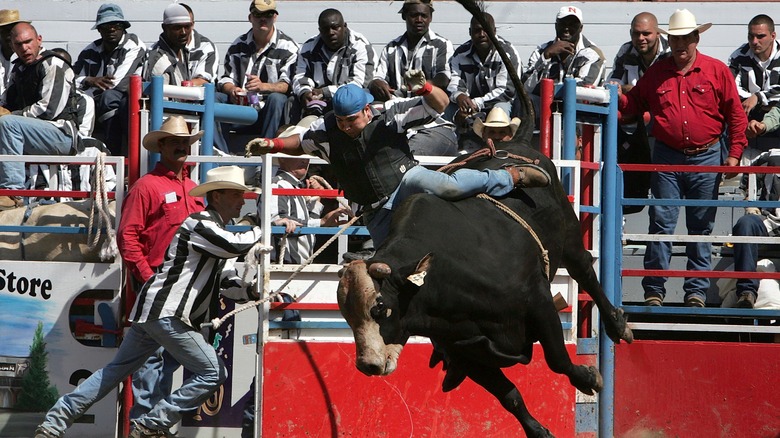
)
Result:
{"points": [[616, 326], [454, 377], [589, 383]]}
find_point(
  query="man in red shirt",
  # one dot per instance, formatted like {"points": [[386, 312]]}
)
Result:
{"points": [[153, 210], [693, 100]]}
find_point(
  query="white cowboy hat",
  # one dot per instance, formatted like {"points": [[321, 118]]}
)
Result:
{"points": [[682, 22], [219, 178], [496, 118], [298, 128], [174, 126]]}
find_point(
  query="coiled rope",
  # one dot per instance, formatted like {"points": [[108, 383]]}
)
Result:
{"points": [[216, 322], [99, 197]]}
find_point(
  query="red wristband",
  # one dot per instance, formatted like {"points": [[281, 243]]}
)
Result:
{"points": [[278, 145], [424, 90]]}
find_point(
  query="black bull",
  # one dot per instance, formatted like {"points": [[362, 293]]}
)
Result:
{"points": [[481, 294]]}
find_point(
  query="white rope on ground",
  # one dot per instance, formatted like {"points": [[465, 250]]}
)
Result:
{"points": [[99, 197], [216, 322]]}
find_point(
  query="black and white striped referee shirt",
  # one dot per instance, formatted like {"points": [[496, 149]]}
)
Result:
{"points": [[195, 270]]}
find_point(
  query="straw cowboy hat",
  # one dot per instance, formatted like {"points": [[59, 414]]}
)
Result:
{"points": [[682, 22], [174, 126], [220, 178], [10, 16], [496, 118]]}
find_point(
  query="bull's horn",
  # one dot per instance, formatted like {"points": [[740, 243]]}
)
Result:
{"points": [[379, 270]]}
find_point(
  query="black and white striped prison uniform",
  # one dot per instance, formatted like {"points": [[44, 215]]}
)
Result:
{"points": [[320, 67], [486, 83], [162, 60], [306, 213], [204, 58], [196, 268], [431, 55], [404, 113], [586, 66], [126, 60], [273, 63], [756, 77], [54, 94], [629, 66]]}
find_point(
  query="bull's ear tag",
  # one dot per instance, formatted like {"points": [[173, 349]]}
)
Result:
{"points": [[418, 278]]}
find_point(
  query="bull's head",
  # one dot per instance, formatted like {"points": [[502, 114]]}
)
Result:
{"points": [[374, 316]]}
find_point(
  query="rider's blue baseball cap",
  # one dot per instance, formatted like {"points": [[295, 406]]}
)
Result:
{"points": [[350, 99]]}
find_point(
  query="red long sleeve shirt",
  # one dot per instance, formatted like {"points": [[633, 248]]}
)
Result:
{"points": [[153, 210], [692, 109]]}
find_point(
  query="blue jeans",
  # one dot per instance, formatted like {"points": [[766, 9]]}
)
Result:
{"points": [[28, 136], [182, 341], [461, 184], [152, 382], [438, 141], [746, 254], [698, 220]]}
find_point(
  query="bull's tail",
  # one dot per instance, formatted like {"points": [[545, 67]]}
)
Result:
{"points": [[476, 8]]}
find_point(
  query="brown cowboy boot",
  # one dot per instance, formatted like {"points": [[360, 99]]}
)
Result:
{"points": [[528, 175], [10, 202]]}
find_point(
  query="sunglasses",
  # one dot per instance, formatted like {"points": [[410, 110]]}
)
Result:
{"points": [[264, 15]]}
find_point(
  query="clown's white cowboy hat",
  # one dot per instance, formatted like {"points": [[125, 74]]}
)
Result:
{"points": [[682, 22], [220, 178], [496, 118], [174, 126]]}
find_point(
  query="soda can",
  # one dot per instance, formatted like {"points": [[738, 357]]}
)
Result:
{"points": [[186, 83], [242, 98]]}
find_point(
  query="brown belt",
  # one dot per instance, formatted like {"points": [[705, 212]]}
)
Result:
{"points": [[699, 149]]}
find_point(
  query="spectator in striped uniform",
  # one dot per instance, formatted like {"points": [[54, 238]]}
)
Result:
{"points": [[419, 48], [480, 80], [569, 55], [261, 62], [297, 211], [43, 109], [8, 18], [181, 54], [336, 56], [756, 68], [103, 71], [170, 308], [647, 46]]}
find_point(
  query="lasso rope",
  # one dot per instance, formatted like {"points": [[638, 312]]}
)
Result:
{"points": [[521, 221], [99, 197], [216, 322]]}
